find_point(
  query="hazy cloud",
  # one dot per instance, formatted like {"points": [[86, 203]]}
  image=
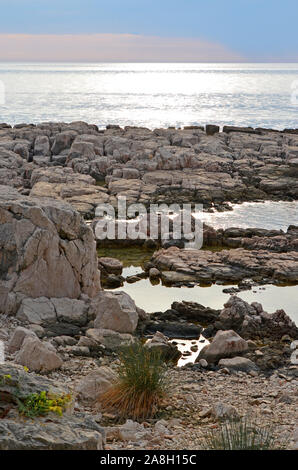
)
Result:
{"points": [[111, 48]]}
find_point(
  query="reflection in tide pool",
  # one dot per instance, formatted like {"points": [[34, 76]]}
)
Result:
{"points": [[270, 215], [158, 298], [185, 346]]}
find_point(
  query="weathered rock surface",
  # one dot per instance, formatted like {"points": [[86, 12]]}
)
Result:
{"points": [[18, 337], [251, 322], [22, 383], [228, 265], [116, 311], [111, 340], [56, 434], [164, 165], [161, 343], [192, 311], [237, 364], [225, 344], [46, 250], [38, 356], [252, 238], [110, 265], [90, 388]]}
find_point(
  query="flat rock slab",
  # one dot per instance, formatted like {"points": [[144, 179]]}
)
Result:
{"points": [[62, 433], [24, 383], [184, 265]]}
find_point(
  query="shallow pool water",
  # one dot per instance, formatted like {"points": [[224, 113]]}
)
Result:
{"points": [[189, 356], [158, 298]]}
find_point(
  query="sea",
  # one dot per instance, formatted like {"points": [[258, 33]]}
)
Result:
{"points": [[150, 94]]}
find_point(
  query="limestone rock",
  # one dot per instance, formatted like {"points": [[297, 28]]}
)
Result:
{"points": [[25, 383], [18, 338], [63, 141], [224, 345], [71, 311], [161, 343], [110, 265], [38, 311], [61, 433], [116, 311], [111, 340], [38, 356], [46, 251], [236, 364], [220, 411], [90, 388]]}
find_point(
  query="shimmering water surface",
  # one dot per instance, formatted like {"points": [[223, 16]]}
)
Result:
{"points": [[270, 215], [151, 95]]}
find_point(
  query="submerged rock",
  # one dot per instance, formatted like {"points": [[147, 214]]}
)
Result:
{"points": [[174, 329]]}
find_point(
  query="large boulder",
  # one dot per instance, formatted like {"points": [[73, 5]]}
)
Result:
{"points": [[116, 311], [39, 311], [46, 250], [224, 345], [38, 356], [63, 141], [18, 337]]}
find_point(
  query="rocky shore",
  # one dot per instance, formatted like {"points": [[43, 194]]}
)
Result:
{"points": [[66, 161], [62, 331]]}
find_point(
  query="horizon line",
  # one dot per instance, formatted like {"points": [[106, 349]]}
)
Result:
{"points": [[83, 61]]}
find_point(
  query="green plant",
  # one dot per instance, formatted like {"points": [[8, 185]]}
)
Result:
{"points": [[140, 384], [240, 435], [40, 404], [5, 379]]}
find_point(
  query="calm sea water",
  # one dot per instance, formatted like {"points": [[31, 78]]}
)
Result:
{"points": [[151, 95]]}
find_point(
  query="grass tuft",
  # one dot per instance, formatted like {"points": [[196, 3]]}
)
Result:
{"points": [[140, 385], [240, 435]]}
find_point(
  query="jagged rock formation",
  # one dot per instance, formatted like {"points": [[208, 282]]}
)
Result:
{"points": [[46, 250]]}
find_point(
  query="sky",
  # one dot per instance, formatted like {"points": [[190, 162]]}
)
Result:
{"points": [[149, 30]]}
